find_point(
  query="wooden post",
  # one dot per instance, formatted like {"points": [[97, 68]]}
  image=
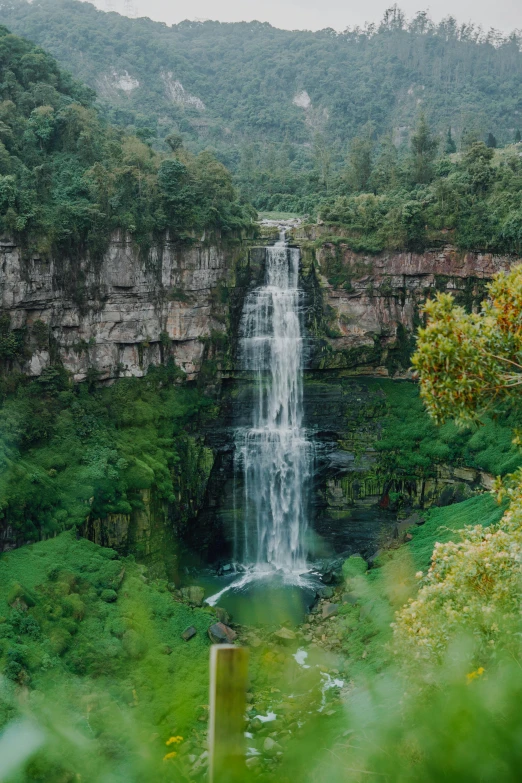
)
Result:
{"points": [[228, 685]]}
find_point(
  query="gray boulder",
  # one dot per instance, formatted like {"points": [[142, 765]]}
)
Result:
{"points": [[219, 633]]}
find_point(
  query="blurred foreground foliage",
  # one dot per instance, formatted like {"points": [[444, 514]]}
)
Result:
{"points": [[93, 666]]}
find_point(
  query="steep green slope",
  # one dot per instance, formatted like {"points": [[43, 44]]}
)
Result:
{"points": [[69, 452], [97, 651], [411, 444]]}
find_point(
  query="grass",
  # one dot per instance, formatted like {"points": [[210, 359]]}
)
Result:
{"points": [[442, 524], [110, 678], [412, 444]]}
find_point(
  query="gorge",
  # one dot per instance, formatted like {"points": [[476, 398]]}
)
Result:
{"points": [[185, 305]]}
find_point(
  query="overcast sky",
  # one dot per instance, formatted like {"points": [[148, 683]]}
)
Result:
{"points": [[505, 15]]}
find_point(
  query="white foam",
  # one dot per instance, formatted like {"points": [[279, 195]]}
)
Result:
{"points": [[267, 718], [328, 683], [300, 658]]}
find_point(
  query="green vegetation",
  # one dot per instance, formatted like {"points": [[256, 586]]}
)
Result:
{"points": [[98, 648], [411, 444], [434, 696], [67, 180], [471, 200], [96, 682], [399, 714], [297, 116], [468, 362], [445, 524], [384, 589], [69, 452]]}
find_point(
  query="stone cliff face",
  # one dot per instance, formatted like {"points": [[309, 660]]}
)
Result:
{"points": [[371, 304], [119, 314]]}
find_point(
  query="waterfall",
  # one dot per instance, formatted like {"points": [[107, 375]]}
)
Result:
{"points": [[273, 453]]}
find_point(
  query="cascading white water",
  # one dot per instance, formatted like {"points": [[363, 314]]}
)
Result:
{"points": [[273, 453]]}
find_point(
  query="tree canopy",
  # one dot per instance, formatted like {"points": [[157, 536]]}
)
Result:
{"points": [[68, 179], [284, 110]]}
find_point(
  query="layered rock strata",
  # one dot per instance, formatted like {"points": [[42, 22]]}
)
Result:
{"points": [[371, 304], [121, 313]]}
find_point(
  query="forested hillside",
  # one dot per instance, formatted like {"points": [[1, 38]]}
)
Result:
{"points": [[249, 76], [280, 108], [68, 179]]}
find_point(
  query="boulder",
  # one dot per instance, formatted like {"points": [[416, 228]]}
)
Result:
{"points": [[402, 527], [271, 747], [188, 633], [330, 610], [222, 615], [193, 594], [219, 633], [332, 572], [324, 592], [284, 636]]}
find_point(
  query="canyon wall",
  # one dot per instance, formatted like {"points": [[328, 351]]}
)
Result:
{"points": [[369, 306], [120, 313], [116, 315], [131, 308]]}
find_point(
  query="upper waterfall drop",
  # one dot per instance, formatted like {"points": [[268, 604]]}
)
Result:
{"points": [[274, 454]]}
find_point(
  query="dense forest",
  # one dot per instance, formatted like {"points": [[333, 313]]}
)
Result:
{"points": [[280, 109], [68, 179]]}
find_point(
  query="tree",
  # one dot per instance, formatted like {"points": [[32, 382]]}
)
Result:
{"points": [[424, 149], [384, 173], [491, 141], [518, 137], [477, 162], [174, 141], [360, 163], [469, 137], [469, 361], [450, 146], [323, 159]]}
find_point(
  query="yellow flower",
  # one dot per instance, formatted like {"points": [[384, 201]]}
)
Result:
{"points": [[174, 740], [170, 755], [473, 675]]}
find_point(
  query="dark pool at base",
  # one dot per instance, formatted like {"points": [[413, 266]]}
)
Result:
{"points": [[265, 601]]}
